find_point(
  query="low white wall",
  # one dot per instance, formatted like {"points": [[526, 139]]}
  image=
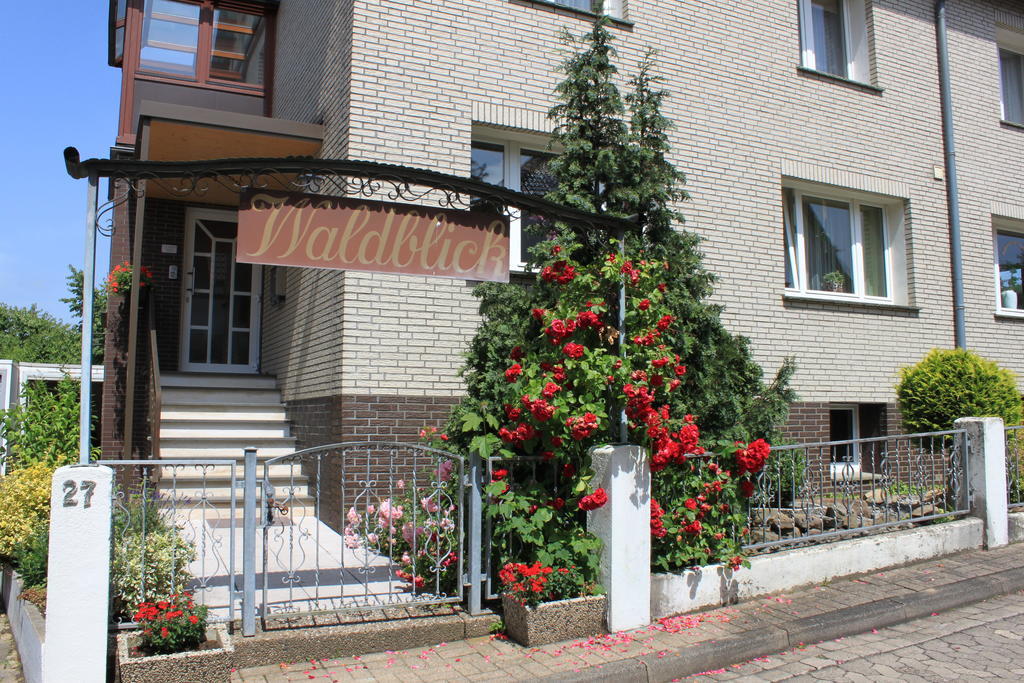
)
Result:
{"points": [[716, 585], [1016, 527], [27, 626]]}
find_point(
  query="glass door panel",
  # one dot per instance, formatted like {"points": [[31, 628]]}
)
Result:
{"points": [[220, 302]]}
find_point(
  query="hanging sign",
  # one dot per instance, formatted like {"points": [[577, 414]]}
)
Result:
{"points": [[315, 231]]}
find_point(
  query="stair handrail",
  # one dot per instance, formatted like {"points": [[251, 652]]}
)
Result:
{"points": [[155, 390]]}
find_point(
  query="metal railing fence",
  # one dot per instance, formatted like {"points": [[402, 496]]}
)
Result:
{"points": [[173, 530], [1015, 467], [816, 492]]}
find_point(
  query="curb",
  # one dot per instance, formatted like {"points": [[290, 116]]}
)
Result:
{"points": [[773, 638]]}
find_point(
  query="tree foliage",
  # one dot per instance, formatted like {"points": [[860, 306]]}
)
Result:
{"points": [[75, 303], [29, 335]]}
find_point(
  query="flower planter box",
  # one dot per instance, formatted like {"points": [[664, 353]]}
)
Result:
{"points": [[208, 665], [551, 622]]}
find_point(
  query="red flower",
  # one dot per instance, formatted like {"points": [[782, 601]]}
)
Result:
{"points": [[573, 350], [557, 503], [644, 305], [517, 353], [657, 526], [513, 373], [549, 390], [512, 412], [568, 470], [752, 458], [538, 313], [164, 632], [680, 370], [193, 619], [693, 527], [690, 504], [746, 488], [542, 410], [595, 500], [582, 427], [498, 475], [588, 319]]}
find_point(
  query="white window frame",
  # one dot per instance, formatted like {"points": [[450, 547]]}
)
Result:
{"points": [[855, 39], [1010, 41], [1004, 227], [513, 144], [613, 8], [891, 232]]}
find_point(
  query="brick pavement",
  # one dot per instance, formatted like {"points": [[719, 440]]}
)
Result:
{"points": [[980, 641], [497, 659]]}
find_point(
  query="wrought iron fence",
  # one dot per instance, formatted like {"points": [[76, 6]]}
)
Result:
{"points": [[815, 492], [1015, 466], [353, 526], [174, 526]]}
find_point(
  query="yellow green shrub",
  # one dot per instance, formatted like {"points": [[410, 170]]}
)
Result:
{"points": [[24, 503]]}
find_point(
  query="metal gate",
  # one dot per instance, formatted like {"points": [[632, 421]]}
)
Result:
{"points": [[355, 526]]}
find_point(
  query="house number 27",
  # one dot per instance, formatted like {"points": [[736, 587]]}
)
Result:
{"points": [[71, 489]]}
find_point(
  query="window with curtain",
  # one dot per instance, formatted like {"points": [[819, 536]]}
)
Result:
{"points": [[833, 37], [1011, 71], [836, 246]]}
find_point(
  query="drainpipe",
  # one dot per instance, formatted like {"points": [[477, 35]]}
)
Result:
{"points": [[952, 189]]}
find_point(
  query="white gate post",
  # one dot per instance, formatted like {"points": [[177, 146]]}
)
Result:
{"points": [[624, 526], [78, 578], [986, 464]]}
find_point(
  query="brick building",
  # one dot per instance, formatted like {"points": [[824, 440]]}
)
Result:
{"points": [[811, 132]]}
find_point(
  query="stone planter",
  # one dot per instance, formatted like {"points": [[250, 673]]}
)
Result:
{"points": [[551, 622], [210, 665]]}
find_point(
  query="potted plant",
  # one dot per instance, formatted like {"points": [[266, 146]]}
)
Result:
{"points": [[545, 604], [173, 640], [119, 281], [834, 281]]}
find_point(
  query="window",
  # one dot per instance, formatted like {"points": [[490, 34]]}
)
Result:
{"points": [[852, 422], [612, 8], [838, 246], [202, 42], [518, 165], [842, 426], [833, 37], [1010, 270], [1011, 73]]}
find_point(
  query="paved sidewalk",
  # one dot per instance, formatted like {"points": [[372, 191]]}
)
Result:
{"points": [[979, 641], [677, 647], [10, 667]]}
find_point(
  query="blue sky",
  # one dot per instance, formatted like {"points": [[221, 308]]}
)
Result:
{"points": [[59, 92]]}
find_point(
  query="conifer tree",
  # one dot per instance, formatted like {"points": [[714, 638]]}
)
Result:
{"points": [[606, 165]]}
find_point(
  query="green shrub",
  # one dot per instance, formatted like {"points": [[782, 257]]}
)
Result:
{"points": [[150, 557], [31, 559], [950, 384], [45, 428], [24, 505]]}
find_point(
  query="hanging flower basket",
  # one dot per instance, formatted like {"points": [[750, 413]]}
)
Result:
{"points": [[119, 281], [552, 622]]}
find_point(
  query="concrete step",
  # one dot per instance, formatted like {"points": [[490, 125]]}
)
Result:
{"points": [[217, 429], [218, 413], [221, 474], [187, 396], [196, 380], [224, 448]]}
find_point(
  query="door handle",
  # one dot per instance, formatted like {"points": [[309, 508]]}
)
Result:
{"points": [[191, 275]]}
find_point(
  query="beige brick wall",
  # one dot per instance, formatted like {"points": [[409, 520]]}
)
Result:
{"points": [[422, 74]]}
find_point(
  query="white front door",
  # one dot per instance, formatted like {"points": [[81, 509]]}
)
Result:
{"points": [[220, 311]]}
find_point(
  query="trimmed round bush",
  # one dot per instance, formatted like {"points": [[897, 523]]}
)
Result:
{"points": [[949, 384]]}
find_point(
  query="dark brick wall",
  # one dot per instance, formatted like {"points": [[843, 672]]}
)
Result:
{"points": [[165, 224]]}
